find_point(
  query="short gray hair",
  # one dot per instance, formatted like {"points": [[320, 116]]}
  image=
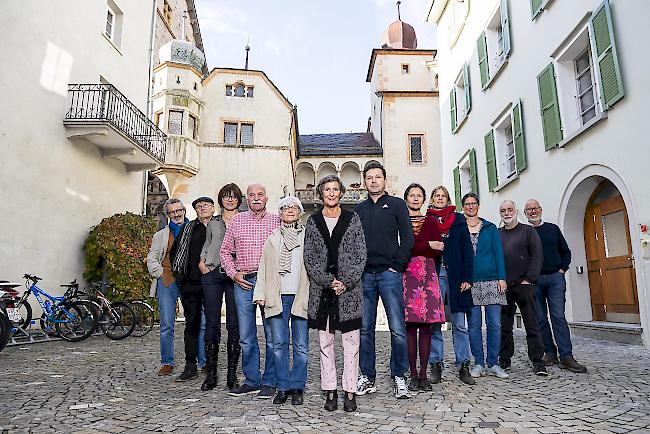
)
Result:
{"points": [[288, 201], [171, 202], [325, 180]]}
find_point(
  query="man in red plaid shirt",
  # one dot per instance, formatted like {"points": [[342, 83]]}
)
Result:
{"points": [[240, 253]]}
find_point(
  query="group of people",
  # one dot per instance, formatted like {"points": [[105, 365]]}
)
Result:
{"points": [[329, 273]]}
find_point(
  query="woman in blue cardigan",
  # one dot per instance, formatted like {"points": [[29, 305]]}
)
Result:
{"points": [[488, 289]]}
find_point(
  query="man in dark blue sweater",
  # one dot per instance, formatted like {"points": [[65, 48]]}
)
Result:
{"points": [[551, 291], [389, 241]]}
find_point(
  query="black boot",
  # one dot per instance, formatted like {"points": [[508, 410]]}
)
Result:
{"points": [[464, 374], [233, 360], [331, 401], [188, 373], [212, 356], [436, 372]]}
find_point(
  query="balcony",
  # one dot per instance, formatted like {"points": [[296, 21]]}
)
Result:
{"points": [[181, 157], [352, 196], [102, 115]]}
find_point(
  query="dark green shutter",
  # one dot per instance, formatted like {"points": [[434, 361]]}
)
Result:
{"points": [[457, 187], [518, 136], [550, 109], [505, 27], [473, 175], [481, 46], [468, 95], [452, 109], [536, 7], [602, 34], [490, 160]]}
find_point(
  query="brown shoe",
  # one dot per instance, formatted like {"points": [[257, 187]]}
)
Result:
{"points": [[165, 370], [570, 364], [550, 359]]}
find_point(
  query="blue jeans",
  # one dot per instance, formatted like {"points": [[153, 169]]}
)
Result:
{"points": [[250, 348], [287, 376], [475, 325], [167, 299], [459, 330], [551, 292], [388, 286]]}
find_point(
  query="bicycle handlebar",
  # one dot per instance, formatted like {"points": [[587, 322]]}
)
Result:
{"points": [[32, 278]]}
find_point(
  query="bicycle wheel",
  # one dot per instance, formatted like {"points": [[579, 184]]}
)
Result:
{"points": [[121, 321], [143, 318], [25, 312], [76, 320], [48, 327]]}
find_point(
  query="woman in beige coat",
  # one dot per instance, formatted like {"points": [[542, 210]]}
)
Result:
{"points": [[283, 289]]}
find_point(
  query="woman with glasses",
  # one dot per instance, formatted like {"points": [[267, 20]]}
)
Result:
{"points": [[216, 285], [335, 256], [488, 289], [282, 288]]}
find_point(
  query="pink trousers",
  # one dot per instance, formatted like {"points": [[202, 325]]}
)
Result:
{"points": [[328, 360]]}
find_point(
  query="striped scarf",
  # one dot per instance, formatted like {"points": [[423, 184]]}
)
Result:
{"points": [[183, 248], [290, 240]]}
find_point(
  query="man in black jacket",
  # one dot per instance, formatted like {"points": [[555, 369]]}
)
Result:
{"points": [[522, 251], [551, 291], [389, 241]]}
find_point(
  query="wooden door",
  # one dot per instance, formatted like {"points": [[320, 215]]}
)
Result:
{"points": [[610, 263]]}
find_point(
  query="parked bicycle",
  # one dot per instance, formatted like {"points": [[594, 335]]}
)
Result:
{"points": [[73, 320], [144, 317]]}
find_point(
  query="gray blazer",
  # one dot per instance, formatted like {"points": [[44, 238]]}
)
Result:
{"points": [[155, 257], [214, 234]]}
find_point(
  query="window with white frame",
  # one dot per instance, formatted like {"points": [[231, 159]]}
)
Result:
{"points": [[246, 134], [239, 90], [175, 122], [416, 148], [455, 15], [505, 148], [113, 24], [493, 45], [465, 176], [460, 99], [230, 133]]}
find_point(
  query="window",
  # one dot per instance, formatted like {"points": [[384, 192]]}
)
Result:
{"points": [[458, 10], [175, 125], [228, 90], [239, 90], [405, 68], [249, 91], [537, 6], [230, 134], [505, 153], [493, 45], [465, 177], [460, 99], [582, 82], [191, 126], [113, 25], [416, 149], [246, 134]]}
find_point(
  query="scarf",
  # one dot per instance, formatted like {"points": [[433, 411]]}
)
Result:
{"points": [[290, 241], [183, 248], [445, 217], [174, 228]]}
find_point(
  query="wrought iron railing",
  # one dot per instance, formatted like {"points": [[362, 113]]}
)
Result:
{"points": [[103, 102]]}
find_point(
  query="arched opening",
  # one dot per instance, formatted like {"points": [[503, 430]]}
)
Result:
{"points": [[156, 196], [351, 175], [305, 176], [326, 169]]}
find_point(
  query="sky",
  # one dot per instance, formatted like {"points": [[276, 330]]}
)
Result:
{"points": [[315, 51]]}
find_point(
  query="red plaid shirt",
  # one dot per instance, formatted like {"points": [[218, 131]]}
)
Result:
{"points": [[244, 240]]}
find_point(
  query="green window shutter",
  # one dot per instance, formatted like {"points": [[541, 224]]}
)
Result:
{"points": [[505, 26], [473, 175], [518, 136], [536, 7], [550, 109], [452, 109], [481, 46], [457, 195], [468, 95], [609, 72], [490, 160]]}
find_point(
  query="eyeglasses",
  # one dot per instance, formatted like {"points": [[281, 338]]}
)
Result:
{"points": [[177, 211], [532, 209], [203, 205], [230, 198], [290, 207]]}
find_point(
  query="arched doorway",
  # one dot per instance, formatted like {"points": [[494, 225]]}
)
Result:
{"points": [[609, 257], [156, 196]]}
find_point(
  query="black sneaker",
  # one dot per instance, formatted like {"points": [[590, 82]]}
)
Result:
{"points": [[436, 372], [281, 397], [266, 392], [349, 404], [414, 384], [464, 375], [244, 389], [297, 396], [540, 369], [425, 385]]}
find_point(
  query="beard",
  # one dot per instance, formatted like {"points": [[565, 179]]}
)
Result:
{"points": [[508, 220]]}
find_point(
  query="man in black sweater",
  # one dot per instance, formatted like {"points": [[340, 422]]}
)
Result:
{"points": [[551, 291], [389, 240], [522, 250]]}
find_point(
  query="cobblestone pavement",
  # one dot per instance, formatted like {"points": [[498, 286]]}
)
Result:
{"points": [[105, 386]]}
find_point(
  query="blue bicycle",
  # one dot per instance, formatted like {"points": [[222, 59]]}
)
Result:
{"points": [[73, 320]]}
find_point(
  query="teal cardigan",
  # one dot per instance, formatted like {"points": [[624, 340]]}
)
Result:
{"points": [[488, 261]]}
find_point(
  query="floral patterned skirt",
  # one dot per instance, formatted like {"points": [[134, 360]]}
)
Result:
{"points": [[422, 300]]}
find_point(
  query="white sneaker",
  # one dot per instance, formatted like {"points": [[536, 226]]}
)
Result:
{"points": [[365, 385], [400, 389], [497, 371], [477, 371]]}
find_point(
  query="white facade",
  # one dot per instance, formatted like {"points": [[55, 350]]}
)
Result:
{"points": [[534, 158], [57, 183]]}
